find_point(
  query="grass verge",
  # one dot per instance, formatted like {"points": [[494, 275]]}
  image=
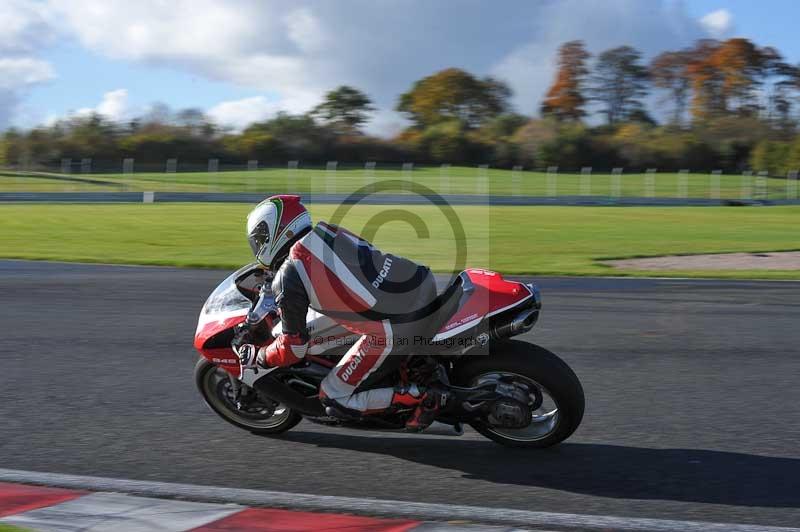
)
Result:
{"points": [[455, 180], [530, 240]]}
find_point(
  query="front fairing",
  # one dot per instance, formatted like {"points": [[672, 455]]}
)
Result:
{"points": [[228, 306]]}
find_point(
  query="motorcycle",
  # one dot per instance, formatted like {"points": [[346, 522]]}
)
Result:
{"points": [[513, 392]]}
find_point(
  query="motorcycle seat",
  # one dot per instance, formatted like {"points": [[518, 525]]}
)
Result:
{"points": [[448, 302]]}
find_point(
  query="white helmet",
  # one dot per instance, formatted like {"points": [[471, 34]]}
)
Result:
{"points": [[274, 225]]}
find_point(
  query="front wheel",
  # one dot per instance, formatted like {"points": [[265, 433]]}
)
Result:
{"points": [[255, 415], [557, 393]]}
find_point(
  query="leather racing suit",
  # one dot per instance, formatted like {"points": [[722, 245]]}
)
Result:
{"points": [[385, 298]]}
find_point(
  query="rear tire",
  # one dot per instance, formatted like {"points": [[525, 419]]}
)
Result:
{"points": [[537, 364], [213, 395]]}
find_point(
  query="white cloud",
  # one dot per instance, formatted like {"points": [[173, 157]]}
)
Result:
{"points": [[20, 72], [718, 23], [381, 47], [17, 75], [651, 27], [305, 30], [27, 27], [113, 106], [239, 113], [295, 54]]}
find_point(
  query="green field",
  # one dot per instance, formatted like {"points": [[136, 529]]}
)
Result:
{"points": [[9, 528], [455, 180], [535, 240]]}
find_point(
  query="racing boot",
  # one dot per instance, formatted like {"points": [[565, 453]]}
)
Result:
{"points": [[431, 403]]}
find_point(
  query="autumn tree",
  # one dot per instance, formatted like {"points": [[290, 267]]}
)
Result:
{"points": [[780, 84], [618, 82], [454, 94], [668, 71], [565, 99], [725, 77], [741, 65], [705, 80], [345, 108]]}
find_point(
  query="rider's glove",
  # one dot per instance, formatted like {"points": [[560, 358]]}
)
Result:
{"points": [[248, 356], [241, 335], [287, 349]]}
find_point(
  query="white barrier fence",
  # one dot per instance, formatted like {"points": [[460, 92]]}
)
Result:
{"points": [[334, 177]]}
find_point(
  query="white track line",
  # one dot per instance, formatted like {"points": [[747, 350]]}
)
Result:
{"points": [[390, 508]]}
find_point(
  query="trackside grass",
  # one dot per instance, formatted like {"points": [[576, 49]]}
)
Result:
{"points": [[532, 240], [455, 180]]}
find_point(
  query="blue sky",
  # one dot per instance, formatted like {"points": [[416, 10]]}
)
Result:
{"points": [[243, 60], [768, 22]]}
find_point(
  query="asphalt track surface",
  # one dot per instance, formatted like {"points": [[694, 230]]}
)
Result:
{"points": [[692, 401]]}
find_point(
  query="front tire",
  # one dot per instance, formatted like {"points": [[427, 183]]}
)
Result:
{"points": [[214, 385], [532, 365]]}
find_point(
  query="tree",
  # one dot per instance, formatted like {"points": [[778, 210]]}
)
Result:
{"points": [[92, 136], [454, 94], [295, 137], [564, 99], [793, 159], [195, 122], [770, 156], [781, 81], [668, 71], [571, 149], [7, 145], [345, 109], [741, 65], [253, 143], [445, 141], [530, 138], [619, 82], [704, 76], [725, 76], [493, 142]]}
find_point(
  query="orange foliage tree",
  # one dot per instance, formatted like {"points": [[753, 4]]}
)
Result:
{"points": [[565, 99]]}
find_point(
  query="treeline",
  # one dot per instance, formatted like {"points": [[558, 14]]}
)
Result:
{"points": [[727, 105]]}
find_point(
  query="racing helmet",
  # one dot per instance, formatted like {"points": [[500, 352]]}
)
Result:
{"points": [[274, 225]]}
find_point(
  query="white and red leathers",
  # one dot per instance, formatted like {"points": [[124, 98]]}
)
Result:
{"points": [[384, 298]]}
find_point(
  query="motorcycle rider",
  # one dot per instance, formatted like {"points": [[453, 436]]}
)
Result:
{"points": [[383, 297]]}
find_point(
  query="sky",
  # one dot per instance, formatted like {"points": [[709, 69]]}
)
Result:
{"points": [[245, 60]]}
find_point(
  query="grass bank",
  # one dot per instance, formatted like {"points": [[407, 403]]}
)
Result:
{"points": [[532, 240], [455, 180]]}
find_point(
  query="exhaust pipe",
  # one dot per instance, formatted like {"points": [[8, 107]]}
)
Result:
{"points": [[519, 324]]}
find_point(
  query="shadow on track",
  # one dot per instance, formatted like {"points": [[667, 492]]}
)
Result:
{"points": [[687, 475]]}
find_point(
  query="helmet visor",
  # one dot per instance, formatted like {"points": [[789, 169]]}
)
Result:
{"points": [[258, 237]]}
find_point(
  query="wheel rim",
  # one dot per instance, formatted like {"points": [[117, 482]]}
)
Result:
{"points": [[218, 392], [544, 420]]}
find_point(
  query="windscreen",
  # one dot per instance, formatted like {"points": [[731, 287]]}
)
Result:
{"points": [[227, 298]]}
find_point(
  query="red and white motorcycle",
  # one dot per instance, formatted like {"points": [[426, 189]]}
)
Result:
{"points": [[513, 392]]}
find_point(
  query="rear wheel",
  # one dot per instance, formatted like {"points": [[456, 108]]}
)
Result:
{"points": [[255, 415], [556, 396]]}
